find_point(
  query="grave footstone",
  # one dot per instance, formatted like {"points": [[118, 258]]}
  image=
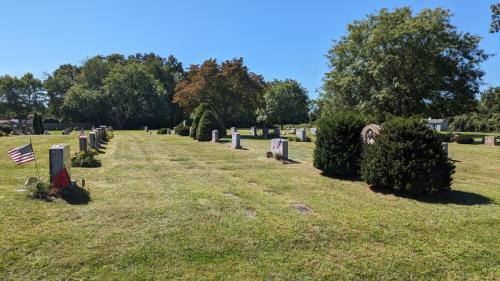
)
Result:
{"points": [[490, 140], [236, 141], [215, 136], [59, 158], [93, 140], [301, 134], [279, 147], [253, 131], [82, 141]]}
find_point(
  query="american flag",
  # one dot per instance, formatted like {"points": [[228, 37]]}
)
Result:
{"points": [[22, 154]]}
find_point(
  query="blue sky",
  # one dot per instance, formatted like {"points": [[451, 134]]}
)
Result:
{"points": [[278, 39]]}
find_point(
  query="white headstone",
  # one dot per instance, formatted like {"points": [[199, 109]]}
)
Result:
{"points": [[236, 141], [59, 158], [314, 131], [253, 131], [215, 136], [279, 147]]}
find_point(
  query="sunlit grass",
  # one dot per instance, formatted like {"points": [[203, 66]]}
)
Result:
{"points": [[167, 207]]}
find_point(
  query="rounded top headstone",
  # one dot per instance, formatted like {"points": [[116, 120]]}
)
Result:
{"points": [[369, 133]]}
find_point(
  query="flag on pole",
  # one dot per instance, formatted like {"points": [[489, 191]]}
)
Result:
{"points": [[22, 154]]}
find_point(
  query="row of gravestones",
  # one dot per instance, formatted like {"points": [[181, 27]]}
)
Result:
{"points": [[59, 154]]}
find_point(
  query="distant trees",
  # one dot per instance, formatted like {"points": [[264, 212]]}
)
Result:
{"points": [[285, 101], [57, 85], [398, 63], [21, 96], [229, 89], [490, 100]]}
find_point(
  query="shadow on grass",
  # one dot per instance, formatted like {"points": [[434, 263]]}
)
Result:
{"points": [[75, 195], [97, 164], [100, 151], [290, 161], [342, 177], [456, 197]]}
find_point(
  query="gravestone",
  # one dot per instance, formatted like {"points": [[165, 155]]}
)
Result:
{"points": [[99, 135], [233, 130], [490, 140], [215, 136], [265, 132], [168, 132], [236, 141], [93, 140], [444, 146], [314, 131], [277, 132], [253, 131], [184, 123], [301, 134], [59, 158], [82, 141], [279, 147], [369, 133]]}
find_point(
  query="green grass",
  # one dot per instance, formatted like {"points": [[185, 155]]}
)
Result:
{"points": [[167, 207]]}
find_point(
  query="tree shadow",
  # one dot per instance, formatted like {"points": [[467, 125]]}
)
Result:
{"points": [[456, 197], [75, 195]]}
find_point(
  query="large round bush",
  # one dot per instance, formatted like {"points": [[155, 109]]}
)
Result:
{"points": [[338, 144], [208, 122], [6, 129], [407, 156]]}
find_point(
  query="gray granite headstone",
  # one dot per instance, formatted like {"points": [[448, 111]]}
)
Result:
{"points": [[301, 134], [215, 135], [444, 146], [253, 131], [265, 132], [93, 140], [82, 141], [279, 147], [277, 132], [59, 158], [236, 141]]}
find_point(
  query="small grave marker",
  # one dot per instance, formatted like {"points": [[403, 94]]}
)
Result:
{"points": [[215, 136]]}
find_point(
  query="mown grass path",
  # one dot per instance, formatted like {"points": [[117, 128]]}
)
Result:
{"points": [[166, 207]]}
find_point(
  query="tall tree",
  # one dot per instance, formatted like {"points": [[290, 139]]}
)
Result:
{"points": [[229, 89], [132, 92], [495, 18], [402, 64], [286, 101], [22, 96], [57, 84], [490, 100]]}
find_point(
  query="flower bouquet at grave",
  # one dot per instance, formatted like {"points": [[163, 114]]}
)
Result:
{"points": [[86, 159]]}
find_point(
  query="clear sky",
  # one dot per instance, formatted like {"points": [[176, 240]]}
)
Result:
{"points": [[278, 39]]}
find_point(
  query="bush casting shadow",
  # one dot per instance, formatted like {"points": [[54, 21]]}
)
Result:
{"points": [[456, 197], [75, 195], [342, 177]]}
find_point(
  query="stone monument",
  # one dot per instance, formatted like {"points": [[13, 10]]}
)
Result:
{"points": [[215, 136], [369, 133], [236, 141], [490, 140], [253, 131], [279, 147], [301, 134], [59, 158], [82, 141]]}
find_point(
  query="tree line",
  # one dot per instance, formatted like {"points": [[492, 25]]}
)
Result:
{"points": [[392, 63]]}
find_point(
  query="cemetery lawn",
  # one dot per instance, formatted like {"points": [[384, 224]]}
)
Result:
{"points": [[166, 207]]}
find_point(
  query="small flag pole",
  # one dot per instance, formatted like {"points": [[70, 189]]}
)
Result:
{"points": [[36, 165]]}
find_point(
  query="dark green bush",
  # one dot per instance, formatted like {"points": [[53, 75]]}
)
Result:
{"points": [[162, 131], [198, 113], [6, 129], [42, 190], [182, 130], [464, 139], [108, 135], [1, 134], [445, 137], [476, 122], [85, 159], [338, 144], [207, 123], [407, 156]]}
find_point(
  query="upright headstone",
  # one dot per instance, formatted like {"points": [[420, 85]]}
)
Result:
{"points": [[59, 158], [253, 131], [314, 131], [168, 131], [93, 140], [490, 140], [277, 132], [301, 134], [184, 123], [236, 140], [215, 136], [82, 141], [233, 130], [279, 147], [444, 146], [265, 132]]}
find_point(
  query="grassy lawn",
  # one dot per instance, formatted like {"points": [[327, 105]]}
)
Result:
{"points": [[166, 207]]}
